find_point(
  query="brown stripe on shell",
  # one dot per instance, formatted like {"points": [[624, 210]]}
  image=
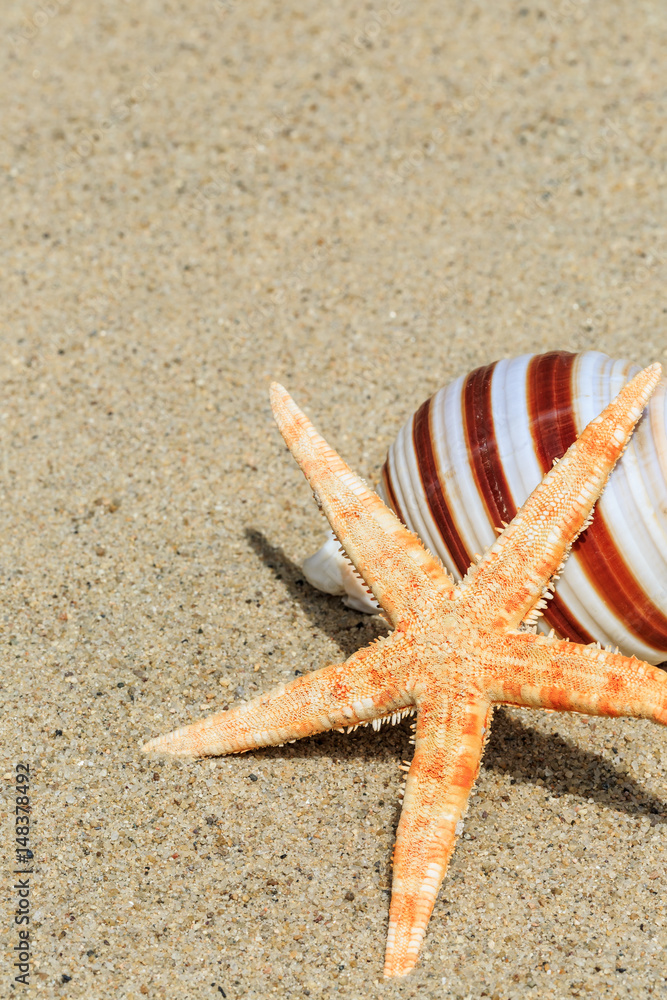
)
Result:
{"points": [[549, 387], [490, 476], [432, 486], [560, 618], [549, 383], [487, 467], [606, 568], [390, 493]]}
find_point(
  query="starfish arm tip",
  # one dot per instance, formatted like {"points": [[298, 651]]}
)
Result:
{"points": [[277, 390], [170, 743], [153, 746], [279, 397]]}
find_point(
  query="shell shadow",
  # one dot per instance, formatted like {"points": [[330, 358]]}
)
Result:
{"points": [[348, 629]]}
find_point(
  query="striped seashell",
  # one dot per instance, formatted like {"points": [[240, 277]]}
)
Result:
{"points": [[471, 455]]}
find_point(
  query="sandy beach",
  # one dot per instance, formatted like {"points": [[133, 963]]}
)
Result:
{"points": [[363, 204]]}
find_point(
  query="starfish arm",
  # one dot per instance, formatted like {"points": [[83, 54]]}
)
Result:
{"points": [[448, 749], [390, 559], [342, 694], [567, 677], [508, 584]]}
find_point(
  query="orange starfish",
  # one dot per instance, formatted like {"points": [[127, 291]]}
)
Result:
{"points": [[455, 652]]}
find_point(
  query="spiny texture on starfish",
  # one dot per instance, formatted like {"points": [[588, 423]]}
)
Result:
{"points": [[455, 652]]}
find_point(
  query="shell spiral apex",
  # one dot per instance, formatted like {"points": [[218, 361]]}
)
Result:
{"points": [[470, 456]]}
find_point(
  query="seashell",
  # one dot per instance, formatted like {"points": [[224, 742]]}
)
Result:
{"points": [[471, 455]]}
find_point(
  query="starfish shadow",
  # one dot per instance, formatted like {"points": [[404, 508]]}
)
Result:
{"points": [[523, 753], [349, 629], [514, 749]]}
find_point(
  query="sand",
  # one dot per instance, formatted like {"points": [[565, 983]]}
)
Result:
{"points": [[363, 204]]}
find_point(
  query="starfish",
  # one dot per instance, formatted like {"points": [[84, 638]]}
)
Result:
{"points": [[455, 651]]}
